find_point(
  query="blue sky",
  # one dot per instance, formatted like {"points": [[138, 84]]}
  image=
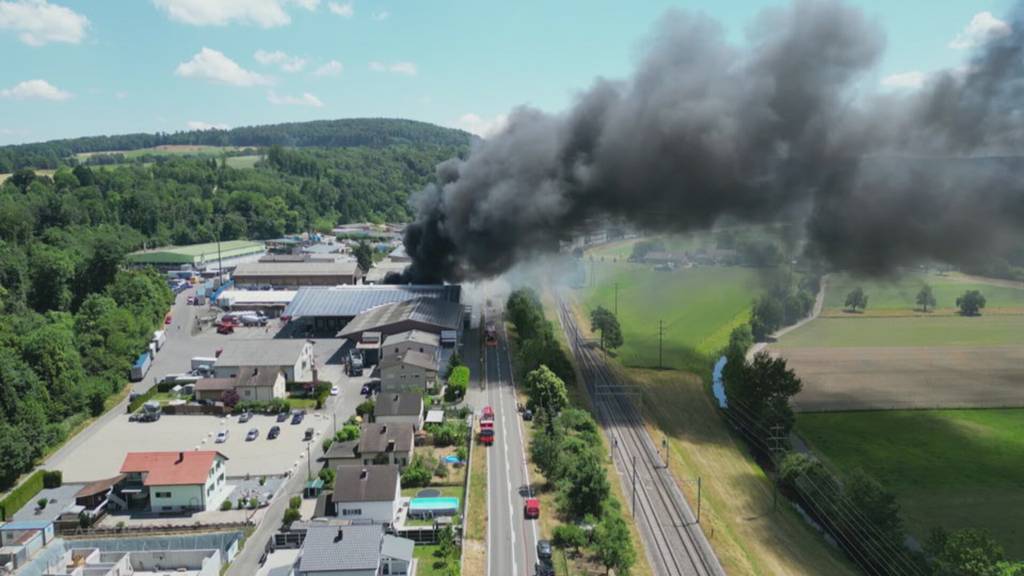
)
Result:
{"points": [[75, 67]]}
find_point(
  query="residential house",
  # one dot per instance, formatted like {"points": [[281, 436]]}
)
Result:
{"points": [[396, 345], [386, 444], [294, 357], [252, 383], [415, 372], [399, 408], [171, 481], [367, 493], [355, 550], [341, 454]]}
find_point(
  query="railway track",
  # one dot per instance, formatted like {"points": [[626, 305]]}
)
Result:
{"points": [[675, 542]]}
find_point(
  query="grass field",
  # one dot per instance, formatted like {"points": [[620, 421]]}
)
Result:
{"points": [[898, 294], [949, 468], [699, 307], [243, 162], [884, 332]]}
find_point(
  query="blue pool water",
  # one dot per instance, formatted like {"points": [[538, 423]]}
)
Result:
{"points": [[442, 505]]}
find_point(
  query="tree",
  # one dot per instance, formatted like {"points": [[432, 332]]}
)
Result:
{"points": [[458, 382], [230, 397], [856, 299], [763, 388], [925, 298], [583, 488], [290, 515], [364, 255], [968, 552], [605, 321], [766, 317], [365, 409], [613, 544], [546, 391], [971, 303], [740, 340], [569, 536]]}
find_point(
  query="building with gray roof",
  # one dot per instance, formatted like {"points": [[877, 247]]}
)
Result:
{"points": [[370, 492], [332, 308], [425, 314], [293, 357], [399, 408], [353, 550], [289, 274]]}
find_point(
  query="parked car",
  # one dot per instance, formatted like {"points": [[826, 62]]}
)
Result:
{"points": [[149, 417], [544, 549], [275, 431], [253, 320], [244, 417], [282, 416], [222, 437], [335, 390], [297, 416], [133, 418], [252, 435], [167, 319], [225, 329], [355, 363], [527, 414], [531, 508], [308, 435]]}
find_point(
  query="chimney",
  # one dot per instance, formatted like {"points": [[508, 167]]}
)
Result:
{"points": [[391, 446], [384, 429], [181, 458], [256, 371], [363, 474], [340, 535]]}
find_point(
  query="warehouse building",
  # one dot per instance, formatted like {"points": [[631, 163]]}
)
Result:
{"points": [[292, 274], [199, 257], [331, 309], [293, 357], [433, 316]]}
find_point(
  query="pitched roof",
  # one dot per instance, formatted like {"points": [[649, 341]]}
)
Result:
{"points": [[171, 468], [349, 301], [261, 352], [395, 547], [98, 487], [417, 336], [212, 384], [304, 268], [401, 404], [254, 376], [365, 483], [428, 311], [336, 548], [340, 451], [376, 438], [419, 359]]}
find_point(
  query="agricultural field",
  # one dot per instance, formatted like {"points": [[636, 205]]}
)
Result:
{"points": [[896, 332], [897, 296], [166, 150], [50, 173], [948, 468], [699, 307]]}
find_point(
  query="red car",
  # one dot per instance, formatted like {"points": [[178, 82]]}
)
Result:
{"points": [[167, 320], [531, 509], [225, 329]]}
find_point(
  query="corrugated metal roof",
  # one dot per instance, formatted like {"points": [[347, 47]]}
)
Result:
{"points": [[307, 268], [431, 311], [349, 301], [336, 548]]}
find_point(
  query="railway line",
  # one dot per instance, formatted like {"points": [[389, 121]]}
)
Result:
{"points": [[676, 544]]}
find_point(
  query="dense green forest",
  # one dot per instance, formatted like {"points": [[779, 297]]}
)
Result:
{"points": [[74, 319], [347, 133]]}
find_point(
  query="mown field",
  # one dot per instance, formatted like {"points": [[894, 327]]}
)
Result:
{"points": [[168, 150], [891, 332], [949, 468], [897, 295], [698, 308]]}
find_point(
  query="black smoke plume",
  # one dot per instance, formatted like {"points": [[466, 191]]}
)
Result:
{"points": [[780, 127]]}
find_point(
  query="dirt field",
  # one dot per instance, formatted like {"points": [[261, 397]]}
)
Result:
{"points": [[908, 377]]}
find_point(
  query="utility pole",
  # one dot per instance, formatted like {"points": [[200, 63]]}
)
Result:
{"points": [[634, 486], [776, 447], [661, 333], [698, 499], [309, 466], [664, 444]]}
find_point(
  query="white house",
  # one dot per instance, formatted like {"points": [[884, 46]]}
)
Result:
{"points": [[367, 493], [171, 481], [415, 372], [293, 357], [252, 384], [355, 550]]}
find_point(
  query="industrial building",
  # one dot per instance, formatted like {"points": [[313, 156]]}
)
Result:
{"points": [[292, 357], [199, 257], [293, 274], [331, 309], [434, 316]]}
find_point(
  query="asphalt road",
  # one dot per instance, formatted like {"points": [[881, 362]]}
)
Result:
{"points": [[511, 539]]}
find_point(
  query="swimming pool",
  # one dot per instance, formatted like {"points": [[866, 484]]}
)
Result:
{"points": [[431, 507]]}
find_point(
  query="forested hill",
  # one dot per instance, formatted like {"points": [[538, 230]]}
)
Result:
{"points": [[345, 133]]}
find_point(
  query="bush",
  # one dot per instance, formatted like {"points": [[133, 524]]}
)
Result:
{"points": [[441, 470], [225, 505], [458, 382], [569, 537], [347, 432], [295, 502], [417, 474], [365, 409], [52, 478], [449, 433], [462, 453], [327, 443], [41, 503], [328, 475], [21, 495], [291, 515], [141, 399]]}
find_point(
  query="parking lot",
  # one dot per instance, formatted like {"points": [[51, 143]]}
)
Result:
{"points": [[101, 456]]}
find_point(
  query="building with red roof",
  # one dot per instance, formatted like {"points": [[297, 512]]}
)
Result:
{"points": [[171, 481]]}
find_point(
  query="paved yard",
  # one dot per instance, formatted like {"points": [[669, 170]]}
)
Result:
{"points": [[279, 563], [57, 500]]}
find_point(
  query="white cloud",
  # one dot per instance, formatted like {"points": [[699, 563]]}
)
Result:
{"points": [[120, 94], [200, 125], [342, 9], [214, 66], [332, 68], [483, 127], [277, 58], [34, 90], [263, 13], [406, 68], [982, 28], [905, 80], [310, 5], [382, 15], [306, 99], [38, 22]]}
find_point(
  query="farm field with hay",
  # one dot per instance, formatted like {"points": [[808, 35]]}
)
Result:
{"points": [[897, 296]]}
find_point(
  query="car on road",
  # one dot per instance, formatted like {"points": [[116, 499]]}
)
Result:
{"points": [[167, 320], [253, 320], [544, 549], [297, 416], [252, 435], [244, 417], [487, 432], [282, 416], [527, 414], [275, 431], [225, 329], [335, 390], [222, 437], [531, 508], [487, 413], [544, 566], [308, 435]]}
